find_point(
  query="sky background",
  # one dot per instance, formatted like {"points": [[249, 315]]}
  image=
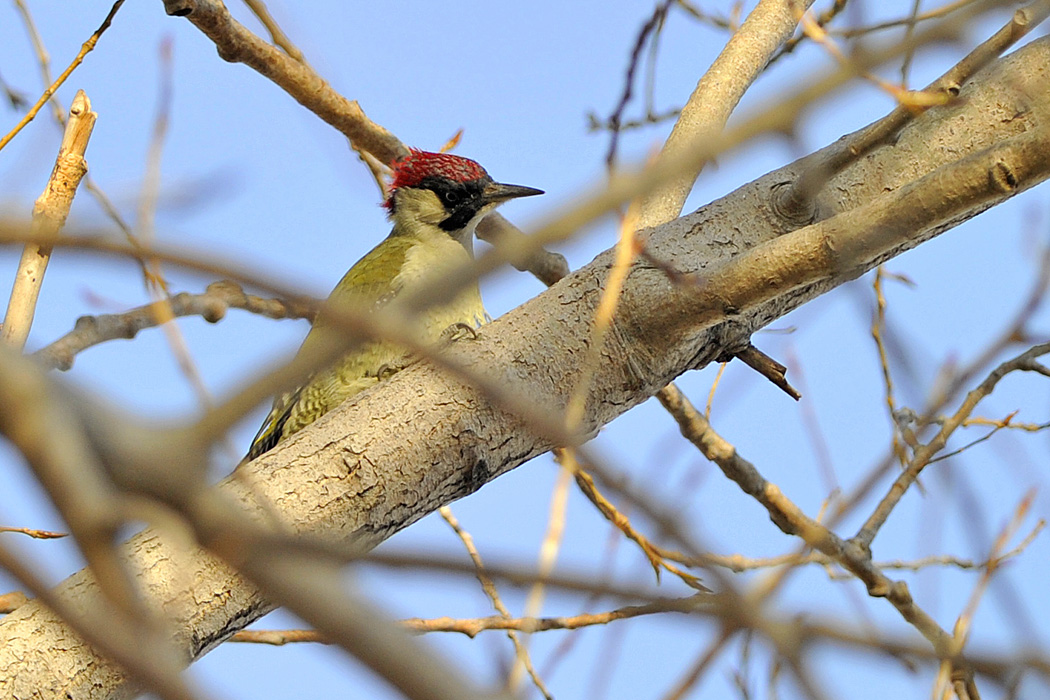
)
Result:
{"points": [[250, 175]]}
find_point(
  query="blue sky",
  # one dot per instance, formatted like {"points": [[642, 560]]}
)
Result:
{"points": [[250, 175]]}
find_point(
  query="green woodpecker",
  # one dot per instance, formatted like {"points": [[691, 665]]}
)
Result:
{"points": [[436, 200]]}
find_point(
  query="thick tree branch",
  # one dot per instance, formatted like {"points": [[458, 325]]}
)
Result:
{"points": [[795, 200], [744, 57]]}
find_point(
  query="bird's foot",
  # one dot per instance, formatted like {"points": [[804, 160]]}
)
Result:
{"points": [[389, 369], [458, 331]]}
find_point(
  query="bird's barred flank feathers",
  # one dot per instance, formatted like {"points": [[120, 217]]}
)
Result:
{"points": [[418, 165]]}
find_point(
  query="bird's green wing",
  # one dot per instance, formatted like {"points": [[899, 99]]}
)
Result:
{"points": [[367, 284]]}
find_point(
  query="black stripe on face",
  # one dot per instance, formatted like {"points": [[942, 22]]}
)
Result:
{"points": [[462, 200]]}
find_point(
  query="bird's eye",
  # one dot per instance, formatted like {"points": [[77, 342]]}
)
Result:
{"points": [[452, 196]]}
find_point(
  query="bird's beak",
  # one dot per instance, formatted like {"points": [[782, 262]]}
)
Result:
{"points": [[497, 192]]}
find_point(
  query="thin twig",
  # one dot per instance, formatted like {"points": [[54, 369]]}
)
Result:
{"points": [[651, 27], [279, 638], [277, 35], [627, 248], [703, 662], [548, 557], [155, 280], [935, 13], [878, 324], [714, 388], [42, 58], [964, 622], [913, 19], [35, 534], [822, 20], [768, 368], [101, 198], [212, 305], [472, 627], [1014, 330], [532, 625], [85, 49], [487, 585], [623, 524], [790, 519], [16, 99], [1024, 362]]}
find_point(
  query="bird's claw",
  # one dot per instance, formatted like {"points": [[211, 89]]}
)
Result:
{"points": [[459, 331], [388, 370]]}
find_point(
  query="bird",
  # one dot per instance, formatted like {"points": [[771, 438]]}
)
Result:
{"points": [[435, 202]]}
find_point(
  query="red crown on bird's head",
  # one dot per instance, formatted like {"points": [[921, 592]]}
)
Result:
{"points": [[419, 165]]}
